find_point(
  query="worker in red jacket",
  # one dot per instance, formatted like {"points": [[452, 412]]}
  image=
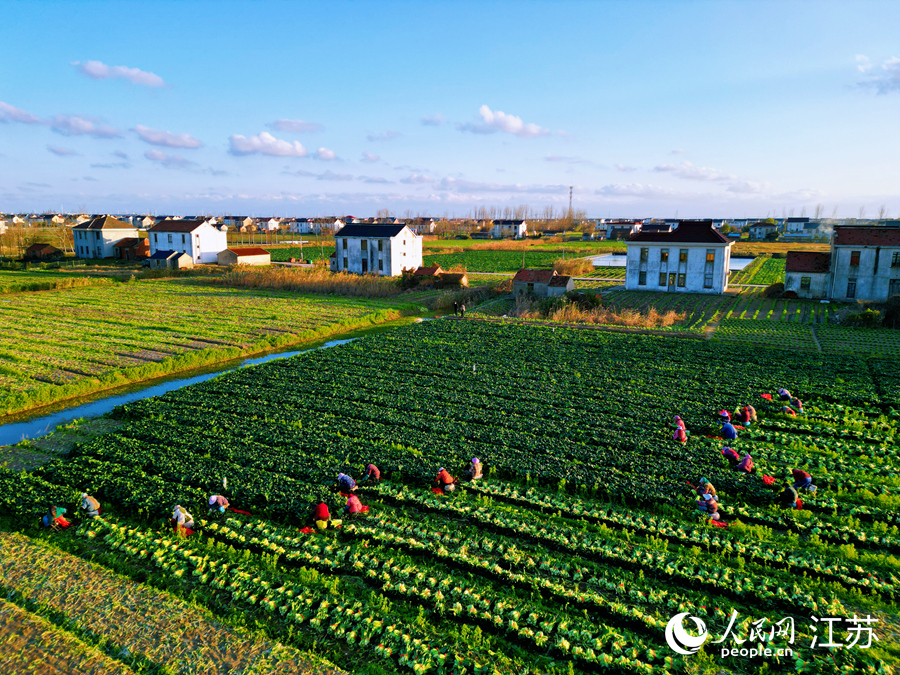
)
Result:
{"points": [[321, 516], [445, 481], [354, 506], [373, 473], [802, 480]]}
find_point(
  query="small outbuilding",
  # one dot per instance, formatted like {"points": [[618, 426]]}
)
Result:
{"points": [[560, 285], [171, 260], [245, 256], [42, 252], [460, 279], [534, 282], [131, 248], [806, 273]]}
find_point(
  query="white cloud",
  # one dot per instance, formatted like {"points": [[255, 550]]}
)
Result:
{"points": [[169, 161], [61, 152], [113, 165], [100, 71], [458, 185], [165, 138], [635, 190], [688, 171], [385, 136], [493, 121], [265, 144], [374, 179], [678, 151], [370, 158], [329, 175], [749, 188], [82, 125], [417, 179], [625, 167], [563, 159], [863, 64], [9, 113], [120, 154], [325, 153], [296, 126], [888, 82], [433, 120]]}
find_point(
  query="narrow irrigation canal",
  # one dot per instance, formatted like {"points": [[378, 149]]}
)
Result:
{"points": [[36, 423]]}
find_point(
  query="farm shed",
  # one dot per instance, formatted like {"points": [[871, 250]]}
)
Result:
{"points": [[171, 260], [560, 285], [428, 275], [534, 282], [245, 256], [131, 248], [806, 274], [460, 279], [43, 252]]}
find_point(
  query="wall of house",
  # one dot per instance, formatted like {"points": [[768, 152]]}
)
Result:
{"points": [[99, 243], [203, 244], [695, 269], [873, 283], [818, 284], [405, 252]]}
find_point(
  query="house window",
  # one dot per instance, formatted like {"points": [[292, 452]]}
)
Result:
{"points": [[380, 244], [642, 278], [894, 288], [381, 266], [851, 288], [663, 257], [363, 245], [645, 254], [682, 257], [854, 258], [895, 259], [682, 280], [345, 244], [183, 239], [662, 278], [805, 283], [710, 255], [170, 238], [345, 263], [707, 280]]}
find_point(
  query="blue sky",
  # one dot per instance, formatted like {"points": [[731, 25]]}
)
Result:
{"points": [[718, 109]]}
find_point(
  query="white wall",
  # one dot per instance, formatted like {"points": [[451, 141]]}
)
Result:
{"points": [[203, 244], [871, 284], [404, 251], [818, 284], [99, 243], [694, 270]]}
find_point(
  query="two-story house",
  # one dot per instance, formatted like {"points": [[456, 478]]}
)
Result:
{"points": [[200, 239], [515, 228], [386, 250], [96, 237], [692, 258], [865, 263]]}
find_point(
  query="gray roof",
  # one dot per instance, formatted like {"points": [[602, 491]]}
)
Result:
{"points": [[377, 231]]}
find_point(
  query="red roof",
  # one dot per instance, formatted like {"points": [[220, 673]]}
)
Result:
{"points": [[128, 242], [687, 232], [866, 236], [807, 261], [431, 271], [534, 276], [176, 226], [560, 280], [248, 251], [42, 248]]}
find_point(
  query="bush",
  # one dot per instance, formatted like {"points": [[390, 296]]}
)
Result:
{"points": [[868, 318], [892, 312], [773, 291]]}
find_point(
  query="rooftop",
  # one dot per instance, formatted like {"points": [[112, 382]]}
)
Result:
{"points": [[687, 232], [534, 276], [862, 235], [807, 261], [377, 231]]}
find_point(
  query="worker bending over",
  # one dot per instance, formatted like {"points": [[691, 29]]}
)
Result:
{"points": [[445, 481], [474, 471], [217, 503], [89, 505]]}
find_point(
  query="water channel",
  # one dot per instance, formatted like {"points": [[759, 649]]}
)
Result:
{"points": [[41, 421]]}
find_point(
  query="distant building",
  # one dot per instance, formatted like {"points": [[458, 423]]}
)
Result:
{"points": [[198, 238], [692, 258], [795, 226], [622, 229], [171, 260], [759, 231], [96, 237], [516, 228], [42, 253], [806, 273], [244, 256], [541, 283], [131, 248], [386, 250]]}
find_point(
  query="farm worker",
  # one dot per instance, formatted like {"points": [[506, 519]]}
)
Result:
{"points": [[802, 480], [751, 414], [182, 518], [743, 415], [462, 310], [372, 473], [445, 481], [706, 488], [353, 505], [788, 497], [54, 518], [798, 404], [346, 483], [474, 470], [321, 516], [729, 433], [679, 422], [724, 416], [680, 435], [455, 309], [731, 455], [787, 410], [745, 465], [784, 394], [217, 503], [90, 505]]}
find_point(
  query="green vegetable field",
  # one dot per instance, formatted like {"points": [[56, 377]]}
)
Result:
{"points": [[480, 260], [572, 555]]}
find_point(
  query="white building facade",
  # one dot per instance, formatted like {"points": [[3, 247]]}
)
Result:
{"points": [[385, 250], [509, 228], [806, 273], [693, 258], [199, 239], [865, 263], [95, 238]]}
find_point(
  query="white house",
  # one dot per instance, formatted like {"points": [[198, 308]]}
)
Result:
{"points": [[865, 263], [796, 226], [237, 222], [423, 225], [269, 224], [314, 225], [198, 238], [376, 249], [95, 238], [762, 229], [806, 273], [509, 228], [692, 258]]}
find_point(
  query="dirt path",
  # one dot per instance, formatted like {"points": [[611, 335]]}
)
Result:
{"points": [[30, 644], [148, 623]]}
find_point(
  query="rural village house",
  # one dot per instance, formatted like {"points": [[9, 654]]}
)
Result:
{"points": [[541, 283], [509, 228], [693, 258], [201, 240], [761, 230], [386, 250], [865, 263], [244, 256], [42, 252], [131, 248], [806, 273], [96, 238]]}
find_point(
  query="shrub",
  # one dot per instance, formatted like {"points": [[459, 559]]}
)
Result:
{"points": [[773, 291], [573, 266], [868, 318]]}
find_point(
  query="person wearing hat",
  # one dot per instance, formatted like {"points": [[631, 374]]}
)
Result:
{"points": [[731, 455], [182, 518], [321, 515], [346, 483], [678, 422], [802, 480], [745, 465], [89, 505], [474, 470], [788, 497], [373, 473], [724, 416], [217, 503], [707, 504], [445, 481], [784, 394], [728, 432], [706, 488]]}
